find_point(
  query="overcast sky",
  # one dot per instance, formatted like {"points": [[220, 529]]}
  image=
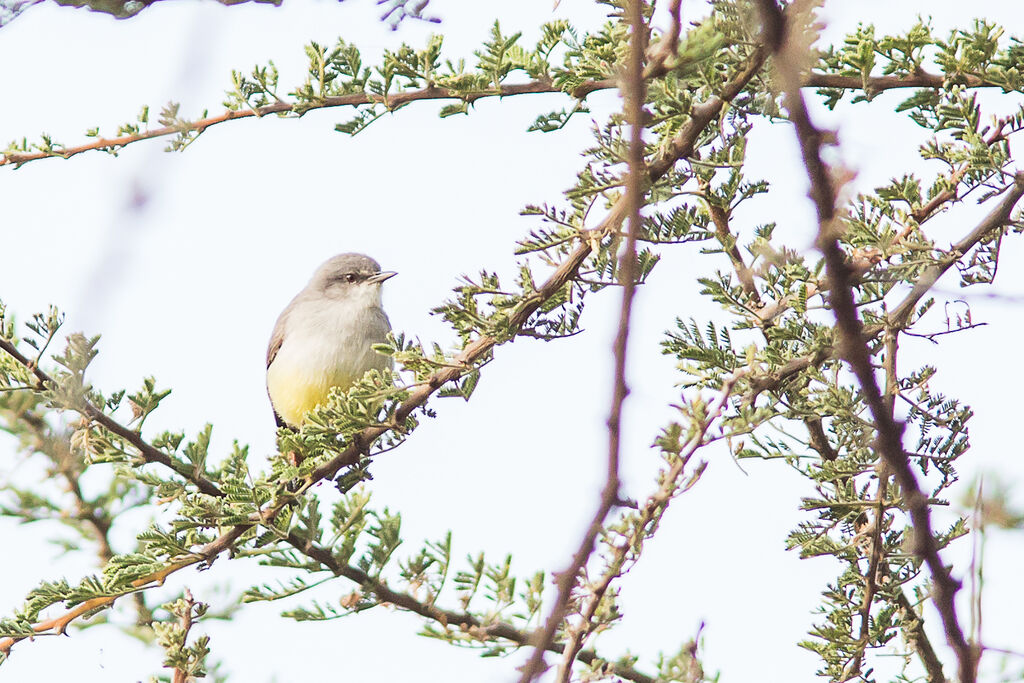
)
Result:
{"points": [[183, 261]]}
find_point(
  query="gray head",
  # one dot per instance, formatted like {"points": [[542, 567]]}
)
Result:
{"points": [[345, 274]]}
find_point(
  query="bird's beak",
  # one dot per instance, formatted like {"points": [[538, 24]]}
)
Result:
{"points": [[382, 276]]}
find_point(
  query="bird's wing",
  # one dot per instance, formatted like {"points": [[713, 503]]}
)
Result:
{"points": [[276, 339]]}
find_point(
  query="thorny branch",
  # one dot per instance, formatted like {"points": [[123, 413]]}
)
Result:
{"points": [[93, 413], [398, 100], [682, 145], [648, 520], [852, 346], [633, 92], [447, 618]]}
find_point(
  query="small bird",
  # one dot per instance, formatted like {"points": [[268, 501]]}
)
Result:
{"points": [[323, 338]]}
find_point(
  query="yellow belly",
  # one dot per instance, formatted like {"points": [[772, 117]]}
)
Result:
{"points": [[295, 394]]}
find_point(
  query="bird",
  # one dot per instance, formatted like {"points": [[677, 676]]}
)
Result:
{"points": [[324, 337]]}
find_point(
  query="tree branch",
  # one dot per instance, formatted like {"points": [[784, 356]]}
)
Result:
{"points": [[681, 146], [919, 641], [396, 101], [58, 625], [93, 413], [852, 346], [876, 560], [634, 93], [446, 618], [720, 217], [646, 523], [877, 84], [392, 102], [993, 222]]}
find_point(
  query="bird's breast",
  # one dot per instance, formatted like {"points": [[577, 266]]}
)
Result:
{"points": [[324, 346]]}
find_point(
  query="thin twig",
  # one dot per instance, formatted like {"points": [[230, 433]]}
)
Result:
{"points": [[978, 561], [667, 49], [918, 639], [58, 625], [930, 336], [875, 563], [391, 101], [679, 147], [648, 520], [180, 675], [634, 93], [720, 217], [996, 219]]}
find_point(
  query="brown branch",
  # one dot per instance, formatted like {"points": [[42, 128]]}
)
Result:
{"points": [[86, 512], [854, 350], [988, 227], [180, 675], [392, 102], [877, 84], [647, 522], [773, 380], [665, 62], [634, 92], [58, 625], [720, 217], [447, 618], [925, 212], [876, 561], [666, 51], [818, 439], [919, 641], [95, 516], [681, 146], [92, 413]]}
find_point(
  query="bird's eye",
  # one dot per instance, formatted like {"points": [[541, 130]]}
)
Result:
{"points": [[350, 277]]}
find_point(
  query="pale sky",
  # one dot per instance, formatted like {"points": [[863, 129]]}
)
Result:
{"points": [[183, 261]]}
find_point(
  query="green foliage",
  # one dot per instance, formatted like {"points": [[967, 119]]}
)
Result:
{"points": [[763, 376]]}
